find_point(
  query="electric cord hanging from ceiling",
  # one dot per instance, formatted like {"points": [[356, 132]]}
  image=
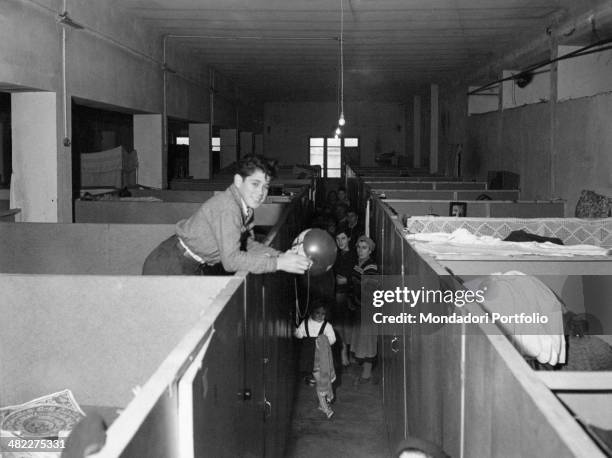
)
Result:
{"points": [[341, 120]]}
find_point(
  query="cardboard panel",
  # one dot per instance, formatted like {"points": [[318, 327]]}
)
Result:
{"points": [[494, 194], [122, 212], [76, 249], [391, 346], [218, 406], [479, 208], [100, 336], [400, 184], [509, 412], [434, 185], [168, 195], [461, 185], [157, 435]]}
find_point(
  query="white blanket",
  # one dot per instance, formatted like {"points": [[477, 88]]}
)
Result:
{"points": [[463, 242]]}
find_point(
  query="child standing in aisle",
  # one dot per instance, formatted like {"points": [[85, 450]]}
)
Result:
{"points": [[316, 356]]}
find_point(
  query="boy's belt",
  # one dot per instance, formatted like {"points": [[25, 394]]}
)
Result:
{"points": [[188, 253]]}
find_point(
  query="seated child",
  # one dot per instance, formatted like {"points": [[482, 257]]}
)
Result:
{"points": [[316, 357]]}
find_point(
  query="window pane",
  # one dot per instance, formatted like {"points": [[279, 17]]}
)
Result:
{"points": [[334, 142], [216, 143], [351, 142], [333, 161], [182, 140], [316, 142], [316, 159], [333, 173]]}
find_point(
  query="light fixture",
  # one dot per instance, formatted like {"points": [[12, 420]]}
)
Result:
{"points": [[341, 121], [64, 19], [338, 131]]}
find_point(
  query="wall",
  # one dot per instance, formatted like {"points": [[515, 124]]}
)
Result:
{"points": [[287, 127], [519, 140], [127, 76], [585, 75]]}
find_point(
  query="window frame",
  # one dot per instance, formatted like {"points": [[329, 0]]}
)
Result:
{"points": [[325, 169]]}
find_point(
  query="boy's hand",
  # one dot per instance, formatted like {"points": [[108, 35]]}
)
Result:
{"points": [[293, 263]]}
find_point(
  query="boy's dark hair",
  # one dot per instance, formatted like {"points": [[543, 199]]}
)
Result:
{"points": [[342, 229], [249, 164], [318, 303], [342, 188]]}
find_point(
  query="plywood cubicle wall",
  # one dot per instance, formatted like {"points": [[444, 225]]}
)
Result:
{"points": [[479, 208], [174, 206], [103, 337], [433, 185], [212, 355], [137, 212], [421, 366], [360, 190], [466, 387], [74, 249], [449, 194], [223, 182]]}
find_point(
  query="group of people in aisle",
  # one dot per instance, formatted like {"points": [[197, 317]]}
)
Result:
{"points": [[218, 239], [337, 302]]}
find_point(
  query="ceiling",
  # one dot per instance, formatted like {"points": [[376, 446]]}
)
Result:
{"points": [[289, 50]]}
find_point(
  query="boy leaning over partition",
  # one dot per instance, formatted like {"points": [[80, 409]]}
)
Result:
{"points": [[218, 238], [316, 355]]}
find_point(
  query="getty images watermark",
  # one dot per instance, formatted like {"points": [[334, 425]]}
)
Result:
{"points": [[509, 301]]}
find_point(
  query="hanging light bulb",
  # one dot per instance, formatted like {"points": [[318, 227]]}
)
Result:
{"points": [[342, 121], [336, 136], [338, 131]]}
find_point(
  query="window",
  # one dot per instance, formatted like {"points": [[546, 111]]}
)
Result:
{"points": [[328, 153], [182, 140], [334, 158], [216, 143]]}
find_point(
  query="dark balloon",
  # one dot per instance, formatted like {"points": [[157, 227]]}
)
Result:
{"points": [[321, 248]]}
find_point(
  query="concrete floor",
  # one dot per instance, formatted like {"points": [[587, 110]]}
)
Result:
{"points": [[356, 430]]}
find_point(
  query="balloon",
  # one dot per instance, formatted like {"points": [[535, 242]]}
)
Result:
{"points": [[319, 247]]}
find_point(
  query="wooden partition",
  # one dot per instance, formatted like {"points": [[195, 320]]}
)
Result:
{"points": [[424, 194], [214, 355], [420, 399], [223, 182], [75, 249], [466, 386], [103, 337], [480, 208], [146, 212], [439, 185], [171, 195]]}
